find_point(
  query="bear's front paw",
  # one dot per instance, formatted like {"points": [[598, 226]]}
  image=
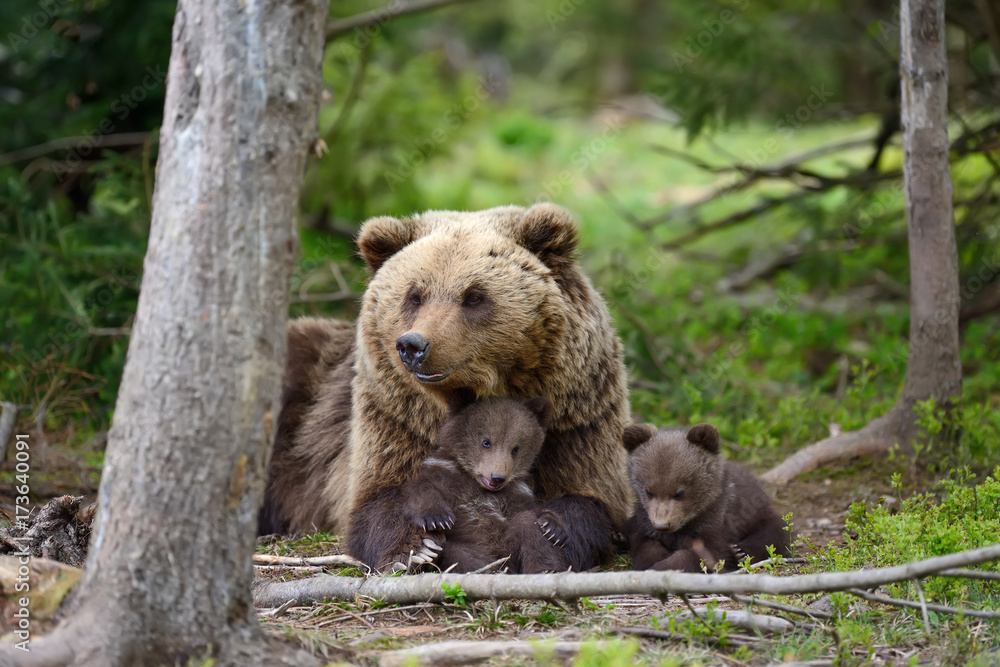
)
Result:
{"points": [[553, 528], [439, 518]]}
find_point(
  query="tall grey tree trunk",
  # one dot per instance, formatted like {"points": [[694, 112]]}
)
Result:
{"points": [[169, 570], [934, 369]]}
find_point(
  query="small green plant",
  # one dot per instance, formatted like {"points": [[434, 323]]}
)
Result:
{"points": [[454, 593]]}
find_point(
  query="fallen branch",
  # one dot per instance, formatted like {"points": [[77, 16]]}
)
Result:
{"points": [[340, 559], [925, 607], [706, 640], [575, 585], [744, 620], [777, 606], [468, 652], [104, 141]]}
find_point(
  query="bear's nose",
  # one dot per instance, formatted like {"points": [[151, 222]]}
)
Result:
{"points": [[498, 479], [412, 348]]}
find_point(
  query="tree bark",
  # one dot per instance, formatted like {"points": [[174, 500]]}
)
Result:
{"points": [[934, 368], [169, 571]]}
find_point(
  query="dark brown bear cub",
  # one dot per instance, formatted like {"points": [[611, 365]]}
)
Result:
{"points": [[473, 488], [693, 505]]}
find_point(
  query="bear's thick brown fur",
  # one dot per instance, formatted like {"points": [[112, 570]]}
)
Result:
{"points": [[489, 301], [693, 505]]}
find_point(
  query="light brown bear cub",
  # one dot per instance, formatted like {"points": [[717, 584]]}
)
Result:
{"points": [[693, 505], [472, 490]]}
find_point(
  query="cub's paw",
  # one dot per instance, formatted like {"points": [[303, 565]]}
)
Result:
{"points": [[553, 528], [437, 519], [738, 552], [431, 514], [415, 552]]}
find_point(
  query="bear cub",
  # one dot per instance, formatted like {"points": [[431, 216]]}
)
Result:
{"points": [[472, 490], [694, 506]]}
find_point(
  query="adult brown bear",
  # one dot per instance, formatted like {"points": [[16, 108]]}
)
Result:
{"points": [[490, 301]]}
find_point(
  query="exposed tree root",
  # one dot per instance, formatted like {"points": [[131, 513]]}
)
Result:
{"points": [[877, 437], [574, 585]]}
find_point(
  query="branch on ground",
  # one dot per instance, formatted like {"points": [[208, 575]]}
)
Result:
{"points": [[575, 585]]}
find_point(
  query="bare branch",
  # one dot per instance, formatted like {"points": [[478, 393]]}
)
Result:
{"points": [[338, 559], [574, 585], [469, 652], [924, 607], [62, 143], [338, 27]]}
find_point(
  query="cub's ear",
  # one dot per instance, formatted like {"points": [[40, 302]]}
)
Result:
{"points": [[550, 232], [542, 407], [381, 238], [636, 435], [460, 399], [705, 436]]}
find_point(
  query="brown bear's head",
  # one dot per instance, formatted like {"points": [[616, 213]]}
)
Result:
{"points": [[676, 475], [470, 300], [496, 440]]}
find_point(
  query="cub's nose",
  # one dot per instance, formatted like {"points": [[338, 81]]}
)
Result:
{"points": [[412, 348], [498, 479]]}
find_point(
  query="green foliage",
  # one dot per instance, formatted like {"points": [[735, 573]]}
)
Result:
{"points": [[454, 593], [964, 517], [611, 653]]}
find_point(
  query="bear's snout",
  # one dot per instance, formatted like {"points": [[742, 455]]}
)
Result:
{"points": [[412, 348]]}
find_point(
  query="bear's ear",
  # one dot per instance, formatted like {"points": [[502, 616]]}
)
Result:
{"points": [[636, 435], [550, 232], [542, 409], [381, 238], [460, 399], [705, 436]]}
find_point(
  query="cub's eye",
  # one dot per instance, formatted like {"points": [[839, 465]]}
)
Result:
{"points": [[514, 451], [649, 494], [486, 443], [473, 299], [415, 299], [679, 494]]}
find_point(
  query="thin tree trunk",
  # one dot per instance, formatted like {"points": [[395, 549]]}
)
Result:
{"points": [[169, 571], [934, 369]]}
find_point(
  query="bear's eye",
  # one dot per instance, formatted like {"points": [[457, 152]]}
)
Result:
{"points": [[415, 299], [486, 443], [679, 494], [473, 299], [649, 494], [514, 451]]}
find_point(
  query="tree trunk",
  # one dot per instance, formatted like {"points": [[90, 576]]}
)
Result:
{"points": [[934, 369], [169, 571]]}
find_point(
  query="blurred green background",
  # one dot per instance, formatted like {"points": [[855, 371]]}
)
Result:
{"points": [[735, 167]]}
